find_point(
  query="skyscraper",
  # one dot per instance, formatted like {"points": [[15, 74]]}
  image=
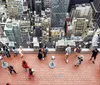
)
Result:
{"points": [[73, 2], [38, 7], [12, 31], [96, 11], [59, 9], [35, 5], [31, 4]]}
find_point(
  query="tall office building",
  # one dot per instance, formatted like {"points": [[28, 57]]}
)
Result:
{"points": [[12, 31], [96, 11], [38, 7], [35, 5], [19, 4], [25, 28], [82, 11], [59, 9], [31, 5], [73, 2]]}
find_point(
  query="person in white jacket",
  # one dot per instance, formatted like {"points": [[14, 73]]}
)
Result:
{"points": [[20, 51]]}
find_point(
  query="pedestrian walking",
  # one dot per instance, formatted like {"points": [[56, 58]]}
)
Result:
{"points": [[68, 52], [94, 55], [11, 69], [21, 51], [6, 51], [79, 60], [25, 65], [15, 52], [45, 51], [30, 74]]}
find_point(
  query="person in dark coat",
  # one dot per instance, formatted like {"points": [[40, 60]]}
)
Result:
{"points": [[94, 55], [40, 54], [0, 51], [11, 69], [6, 51], [30, 75]]}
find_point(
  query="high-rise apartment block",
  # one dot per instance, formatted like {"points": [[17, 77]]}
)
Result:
{"points": [[12, 31]]}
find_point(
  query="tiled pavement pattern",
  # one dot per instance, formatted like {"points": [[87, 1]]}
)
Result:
{"points": [[63, 74]]}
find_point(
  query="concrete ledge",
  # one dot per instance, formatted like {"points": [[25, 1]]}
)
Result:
{"points": [[53, 50]]}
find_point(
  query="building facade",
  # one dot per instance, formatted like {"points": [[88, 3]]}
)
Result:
{"points": [[47, 3], [73, 2], [82, 11], [59, 9], [12, 8], [96, 11], [15, 8], [12, 31]]}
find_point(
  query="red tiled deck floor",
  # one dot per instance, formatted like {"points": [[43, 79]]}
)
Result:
{"points": [[62, 74]]}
